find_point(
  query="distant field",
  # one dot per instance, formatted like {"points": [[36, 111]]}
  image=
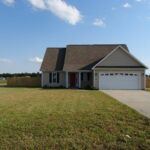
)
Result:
{"points": [[34, 118]]}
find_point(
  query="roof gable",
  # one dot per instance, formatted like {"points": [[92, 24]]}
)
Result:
{"points": [[119, 57]]}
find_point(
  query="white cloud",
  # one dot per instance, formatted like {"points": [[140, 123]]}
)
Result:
{"points": [[40, 4], [36, 60], [8, 2], [99, 22], [5, 60], [60, 8], [127, 5]]}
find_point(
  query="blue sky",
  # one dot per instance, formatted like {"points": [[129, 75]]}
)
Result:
{"points": [[28, 27]]}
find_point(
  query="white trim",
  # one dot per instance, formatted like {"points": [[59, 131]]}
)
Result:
{"points": [[144, 81], [116, 50], [94, 78], [119, 69]]}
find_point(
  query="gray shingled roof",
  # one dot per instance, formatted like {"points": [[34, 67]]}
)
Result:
{"points": [[75, 57], [53, 59]]}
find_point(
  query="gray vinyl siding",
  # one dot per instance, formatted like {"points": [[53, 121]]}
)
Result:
{"points": [[119, 58], [45, 80]]}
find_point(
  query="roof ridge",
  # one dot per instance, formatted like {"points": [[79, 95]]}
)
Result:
{"points": [[95, 44]]}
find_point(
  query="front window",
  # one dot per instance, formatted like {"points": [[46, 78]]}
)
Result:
{"points": [[54, 77]]}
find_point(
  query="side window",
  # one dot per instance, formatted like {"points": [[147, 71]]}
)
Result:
{"points": [[50, 78]]}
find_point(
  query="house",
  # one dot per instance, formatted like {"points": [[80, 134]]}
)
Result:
{"points": [[104, 67]]}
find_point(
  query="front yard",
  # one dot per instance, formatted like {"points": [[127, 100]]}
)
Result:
{"points": [[33, 118]]}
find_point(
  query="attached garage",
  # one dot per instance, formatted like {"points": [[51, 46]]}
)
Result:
{"points": [[120, 80], [119, 70]]}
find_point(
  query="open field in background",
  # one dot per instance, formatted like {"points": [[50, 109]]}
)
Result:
{"points": [[35, 118], [3, 82]]}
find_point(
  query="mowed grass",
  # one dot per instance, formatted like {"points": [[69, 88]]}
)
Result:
{"points": [[32, 118]]}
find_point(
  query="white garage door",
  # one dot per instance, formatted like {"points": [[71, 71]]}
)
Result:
{"points": [[119, 81]]}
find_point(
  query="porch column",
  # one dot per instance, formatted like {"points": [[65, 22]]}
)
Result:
{"points": [[79, 79], [67, 80], [93, 78], [144, 81]]}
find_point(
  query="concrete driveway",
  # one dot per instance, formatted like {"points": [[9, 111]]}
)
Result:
{"points": [[138, 100]]}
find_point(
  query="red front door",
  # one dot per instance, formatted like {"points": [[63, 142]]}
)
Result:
{"points": [[72, 80]]}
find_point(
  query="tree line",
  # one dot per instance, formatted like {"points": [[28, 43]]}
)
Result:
{"points": [[6, 75], [148, 76]]}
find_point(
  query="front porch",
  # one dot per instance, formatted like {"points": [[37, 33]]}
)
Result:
{"points": [[79, 79], [58, 79]]}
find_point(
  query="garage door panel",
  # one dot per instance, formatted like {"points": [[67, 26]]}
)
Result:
{"points": [[119, 81]]}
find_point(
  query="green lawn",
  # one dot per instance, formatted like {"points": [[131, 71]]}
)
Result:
{"points": [[32, 118]]}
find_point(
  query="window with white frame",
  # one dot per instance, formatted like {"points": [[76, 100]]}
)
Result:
{"points": [[54, 77]]}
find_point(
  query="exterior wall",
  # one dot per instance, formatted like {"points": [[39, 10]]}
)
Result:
{"points": [[119, 58], [140, 71], [94, 78], [62, 81], [45, 80]]}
